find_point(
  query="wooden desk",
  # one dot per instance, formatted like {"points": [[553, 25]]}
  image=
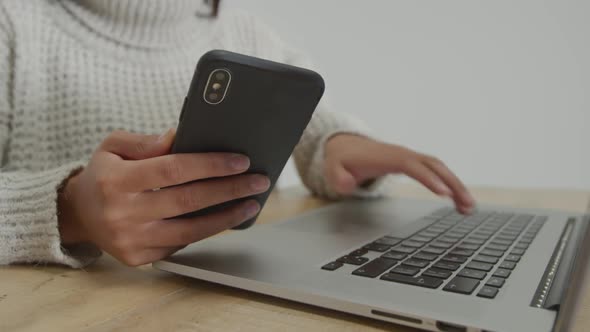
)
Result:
{"points": [[108, 296]]}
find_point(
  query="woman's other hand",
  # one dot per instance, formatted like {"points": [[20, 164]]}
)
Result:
{"points": [[352, 160]]}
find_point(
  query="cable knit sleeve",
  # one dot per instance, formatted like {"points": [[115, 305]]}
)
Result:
{"points": [[28, 200], [309, 153]]}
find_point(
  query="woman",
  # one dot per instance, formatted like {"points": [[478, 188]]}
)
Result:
{"points": [[77, 74]]}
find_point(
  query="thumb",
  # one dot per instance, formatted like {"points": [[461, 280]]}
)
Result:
{"points": [[340, 179], [132, 146]]}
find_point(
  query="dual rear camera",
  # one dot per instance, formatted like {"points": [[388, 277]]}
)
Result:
{"points": [[217, 86]]}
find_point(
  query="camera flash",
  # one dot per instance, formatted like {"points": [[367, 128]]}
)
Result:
{"points": [[216, 86]]}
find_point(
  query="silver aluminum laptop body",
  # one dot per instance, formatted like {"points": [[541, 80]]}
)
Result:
{"points": [[285, 260]]}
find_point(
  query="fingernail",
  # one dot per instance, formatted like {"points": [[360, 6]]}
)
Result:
{"points": [[163, 136], [239, 162], [259, 183], [251, 209]]}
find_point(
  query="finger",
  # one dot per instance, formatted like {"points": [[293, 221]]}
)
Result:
{"points": [[148, 255], [180, 232], [427, 177], [339, 179], [178, 200], [460, 193], [174, 169], [132, 146]]}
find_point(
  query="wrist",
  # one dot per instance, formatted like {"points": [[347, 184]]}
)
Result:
{"points": [[70, 228]]}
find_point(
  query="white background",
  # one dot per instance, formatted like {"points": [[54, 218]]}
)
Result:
{"points": [[498, 89]]}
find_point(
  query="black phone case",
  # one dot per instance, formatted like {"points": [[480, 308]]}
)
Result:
{"points": [[266, 108]]}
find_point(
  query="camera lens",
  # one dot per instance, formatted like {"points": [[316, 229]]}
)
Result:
{"points": [[217, 86]]}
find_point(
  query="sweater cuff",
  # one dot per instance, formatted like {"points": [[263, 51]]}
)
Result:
{"points": [[29, 219], [375, 188], [310, 155]]}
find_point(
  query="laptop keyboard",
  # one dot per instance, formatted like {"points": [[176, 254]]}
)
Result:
{"points": [[455, 253]]}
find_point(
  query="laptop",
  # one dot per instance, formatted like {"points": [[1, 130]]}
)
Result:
{"points": [[411, 262]]}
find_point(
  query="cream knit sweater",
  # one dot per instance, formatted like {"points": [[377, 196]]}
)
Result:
{"points": [[73, 71]]}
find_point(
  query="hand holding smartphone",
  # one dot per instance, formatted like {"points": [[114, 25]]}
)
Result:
{"points": [[246, 105]]}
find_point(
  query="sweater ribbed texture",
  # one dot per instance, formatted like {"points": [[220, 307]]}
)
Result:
{"points": [[71, 72]]}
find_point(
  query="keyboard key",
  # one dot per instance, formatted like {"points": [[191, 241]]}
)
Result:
{"points": [[488, 292], [428, 234], [497, 247], [486, 259], [454, 259], [502, 242], [495, 282], [480, 266], [405, 250], [446, 265], [521, 245], [421, 238], [461, 285], [509, 233], [376, 247], [443, 245], [332, 266], [425, 256], [507, 265], [462, 252], [512, 258], [437, 229], [502, 273], [433, 250], [374, 267], [413, 244], [406, 270], [469, 273], [415, 262], [525, 241], [517, 251], [510, 238], [457, 233], [437, 273], [479, 237], [352, 260], [394, 255], [358, 252], [494, 253], [447, 239], [421, 281], [467, 246], [471, 240], [388, 241]]}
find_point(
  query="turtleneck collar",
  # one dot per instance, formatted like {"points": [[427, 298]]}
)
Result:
{"points": [[142, 23]]}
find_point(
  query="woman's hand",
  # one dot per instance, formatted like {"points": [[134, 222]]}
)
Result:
{"points": [[112, 202], [352, 160]]}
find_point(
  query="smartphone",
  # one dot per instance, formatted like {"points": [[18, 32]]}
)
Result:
{"points": [[242, 104]]}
